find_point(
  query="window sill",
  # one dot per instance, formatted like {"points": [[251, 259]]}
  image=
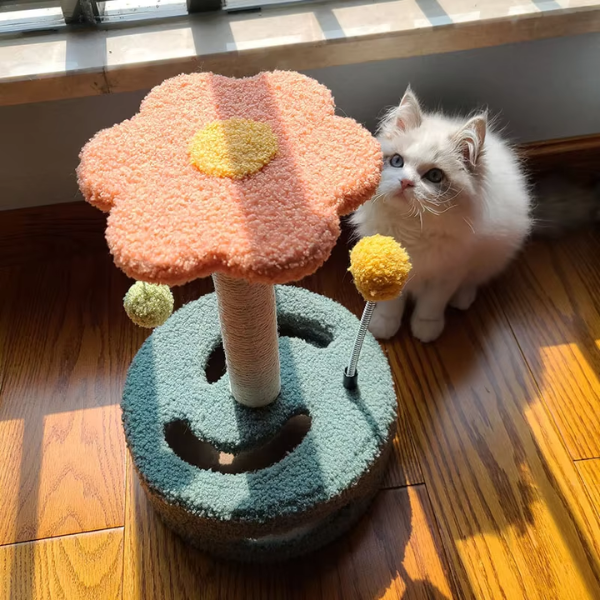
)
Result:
{"points": [[306, 36]]}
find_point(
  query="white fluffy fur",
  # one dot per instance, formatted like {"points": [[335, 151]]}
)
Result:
{"points": [[459, 233]]}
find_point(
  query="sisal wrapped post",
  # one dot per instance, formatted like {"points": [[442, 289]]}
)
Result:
{"points": [[248, 318]]}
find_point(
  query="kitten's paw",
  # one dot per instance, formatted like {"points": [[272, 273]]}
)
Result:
{"points": [[384, 324], [427, 330], [464, 297]]}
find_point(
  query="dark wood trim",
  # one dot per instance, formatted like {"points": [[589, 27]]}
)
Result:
{"points": [[575, 157], [562, 146], [50, 232], [62, 230]]}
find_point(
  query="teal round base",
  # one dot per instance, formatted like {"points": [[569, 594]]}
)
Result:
{"points": [[269, 483]]}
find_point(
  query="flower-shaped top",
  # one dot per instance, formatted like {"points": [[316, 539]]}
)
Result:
{"points": [[246, 177]]}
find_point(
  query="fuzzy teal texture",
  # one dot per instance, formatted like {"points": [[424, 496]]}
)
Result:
{"points": [[167, 382], [294, 543]]}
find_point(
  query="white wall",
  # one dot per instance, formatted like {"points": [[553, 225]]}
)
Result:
{"points": [[541, 90]]}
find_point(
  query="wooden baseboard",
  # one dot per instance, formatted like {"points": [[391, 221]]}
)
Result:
{"points": [[562, 146], [50, 232], [577, 156], [65, 230]]}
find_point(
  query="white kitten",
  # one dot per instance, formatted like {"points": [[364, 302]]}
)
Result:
{"points": [[453, 194]]}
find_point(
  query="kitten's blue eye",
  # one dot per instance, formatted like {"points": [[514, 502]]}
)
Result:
{"points": [[434, 175], [397, 161]]}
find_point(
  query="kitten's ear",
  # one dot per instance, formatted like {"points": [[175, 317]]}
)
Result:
{"points": [[470, 139], [408, 114]]}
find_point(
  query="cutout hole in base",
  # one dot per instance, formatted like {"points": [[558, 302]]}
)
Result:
{"points": [[204, 455], [312, 333], [215, 366]]}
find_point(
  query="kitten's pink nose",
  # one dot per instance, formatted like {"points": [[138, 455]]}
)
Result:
{"points": [[407, 183]]}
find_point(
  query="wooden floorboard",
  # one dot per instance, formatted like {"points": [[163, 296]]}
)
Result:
{"points": [[552, 299], [393, 553], [590, 472], [512, 510], [79, 567], [404, 468], [67, 348]]}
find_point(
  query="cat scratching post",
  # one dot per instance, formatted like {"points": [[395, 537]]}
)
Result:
{"points": [[249, 328], [266, 456]]}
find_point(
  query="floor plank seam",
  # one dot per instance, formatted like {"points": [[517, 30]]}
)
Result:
{"points": [[62, 537], [401, 487], [383, 488]]}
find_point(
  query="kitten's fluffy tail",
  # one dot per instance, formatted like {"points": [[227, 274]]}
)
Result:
{"points": [[561, 206]]}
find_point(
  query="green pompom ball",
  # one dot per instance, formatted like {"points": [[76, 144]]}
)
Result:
{"points": [[147, 304]]}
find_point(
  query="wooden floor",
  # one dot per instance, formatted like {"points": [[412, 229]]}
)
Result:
{"points": [[493, 491]]}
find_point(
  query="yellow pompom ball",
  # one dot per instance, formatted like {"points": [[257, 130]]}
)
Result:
{"points": [[380, 267], [147, 304]]}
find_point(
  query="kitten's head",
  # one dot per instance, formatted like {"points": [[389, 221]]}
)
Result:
{"points": [[430, 161]]}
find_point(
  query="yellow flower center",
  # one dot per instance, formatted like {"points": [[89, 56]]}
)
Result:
{"points": [[233, 148]]}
